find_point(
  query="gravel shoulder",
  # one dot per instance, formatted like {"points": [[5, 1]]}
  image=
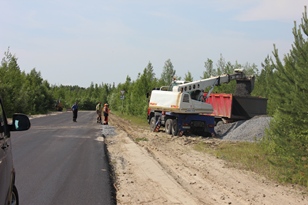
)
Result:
{"points": [[156, 168]]}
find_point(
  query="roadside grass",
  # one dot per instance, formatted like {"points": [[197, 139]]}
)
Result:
{"points": [[136, 120], [139, 139], [242, 155], [245, 155]]}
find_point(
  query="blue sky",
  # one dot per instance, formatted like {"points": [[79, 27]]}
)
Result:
{"points": [[103, 41]]}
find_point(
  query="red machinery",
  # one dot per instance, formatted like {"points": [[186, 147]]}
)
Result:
{"points": [[230, 108]]}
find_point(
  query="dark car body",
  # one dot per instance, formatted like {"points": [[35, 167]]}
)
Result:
{"points": [[20, 122]]}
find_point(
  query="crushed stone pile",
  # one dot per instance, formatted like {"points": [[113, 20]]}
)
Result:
{"points": [[108, 131], [246, 130]]}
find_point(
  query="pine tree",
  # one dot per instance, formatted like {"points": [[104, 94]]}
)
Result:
{"points": [[210, 71], [289, 127], [167, 74], [264, 83], [150, 80], [188, 77]]}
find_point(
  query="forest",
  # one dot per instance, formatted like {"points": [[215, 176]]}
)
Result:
{"points": [[281, 80]]}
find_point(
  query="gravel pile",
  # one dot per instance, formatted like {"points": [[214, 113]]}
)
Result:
{"points": [[108, 131], [247, 130]]}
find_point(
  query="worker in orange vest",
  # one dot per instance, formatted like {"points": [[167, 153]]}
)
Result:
{"points": [[106, 113]]}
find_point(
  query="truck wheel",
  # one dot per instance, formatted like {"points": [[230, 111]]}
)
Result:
{"points": [[152, 124], [168, 126], [175, 128], [206, 133]]}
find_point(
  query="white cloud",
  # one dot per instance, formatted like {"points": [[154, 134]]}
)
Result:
{"points": [[281, 10]]}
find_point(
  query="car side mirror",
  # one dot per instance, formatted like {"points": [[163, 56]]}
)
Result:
{"points": [[20, 122]]}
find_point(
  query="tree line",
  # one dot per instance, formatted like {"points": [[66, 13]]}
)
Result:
{"points": [[282, 81], [30, 93]]}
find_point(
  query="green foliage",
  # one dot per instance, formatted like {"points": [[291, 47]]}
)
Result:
{"points": [[139, 139], [29, 93], [223, 67], [117, 101], [38, 92], [21, 92], [87, 98], [139, 90], [167, 74], [188, 77], [263, 84], [209, 70], [288, 135], [134, 101]]}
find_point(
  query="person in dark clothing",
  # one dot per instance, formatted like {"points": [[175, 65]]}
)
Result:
{"points": [[75, 111]]}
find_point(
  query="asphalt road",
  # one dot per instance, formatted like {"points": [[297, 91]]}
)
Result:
{"points": [[59, 161]]}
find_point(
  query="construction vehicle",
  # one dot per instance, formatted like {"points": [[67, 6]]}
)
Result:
{"points": [[229, 108], [181, 107]]}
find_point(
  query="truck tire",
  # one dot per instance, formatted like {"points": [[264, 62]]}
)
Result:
{"points": [[206, 133], [175, 128], [168, 126], [152, 124]]}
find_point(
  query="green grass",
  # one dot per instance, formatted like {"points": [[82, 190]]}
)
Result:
{"points": [[136, 120], [138, 139], [247, 156]]}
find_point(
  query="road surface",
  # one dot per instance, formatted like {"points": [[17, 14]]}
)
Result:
{"points": [[59, 161]]}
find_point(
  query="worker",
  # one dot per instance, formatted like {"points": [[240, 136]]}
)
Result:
{"points": [[106, 113], [75, 111], [99, 112]]}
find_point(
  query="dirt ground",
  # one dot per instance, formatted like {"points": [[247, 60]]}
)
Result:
{"points": [[156, 168]]}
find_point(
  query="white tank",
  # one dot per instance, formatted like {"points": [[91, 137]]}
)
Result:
{"points": [[178, 102]]}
